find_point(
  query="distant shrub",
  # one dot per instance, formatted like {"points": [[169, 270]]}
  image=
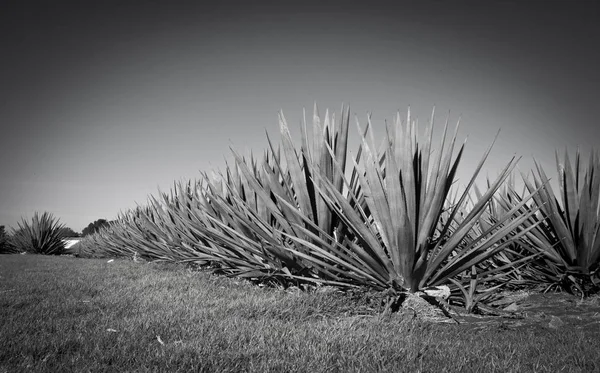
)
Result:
{"points": [[6, 246], [43, 235]]}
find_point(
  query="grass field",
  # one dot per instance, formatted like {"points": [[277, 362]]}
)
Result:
{"points": [[63, 314]]}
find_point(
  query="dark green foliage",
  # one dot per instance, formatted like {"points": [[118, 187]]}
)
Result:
{"points": [[43, 235], [68, 232], [94, 227]]}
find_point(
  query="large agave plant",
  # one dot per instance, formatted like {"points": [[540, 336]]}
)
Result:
{"points": [[43, 235], [393, 217]]}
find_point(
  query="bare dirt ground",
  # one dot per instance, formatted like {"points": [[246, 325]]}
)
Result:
{"points": [[552, 310], [511, 310]]}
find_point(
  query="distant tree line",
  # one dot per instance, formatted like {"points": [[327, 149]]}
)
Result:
{"points": [[6, 245], [68, 232], [94, 227]]}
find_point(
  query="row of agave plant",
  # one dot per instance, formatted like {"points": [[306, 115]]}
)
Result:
{"points": [[386, 218]]}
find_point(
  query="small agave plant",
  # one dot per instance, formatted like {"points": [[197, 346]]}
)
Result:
{"points": [[505, 269], [568, 230], [43, 235]]}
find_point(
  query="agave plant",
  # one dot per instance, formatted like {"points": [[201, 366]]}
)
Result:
{"points": [[42, 236], [239, 222], [395, 238], [136, 233], [505, 269], [267, 205], [568, 233], [296, 185]]}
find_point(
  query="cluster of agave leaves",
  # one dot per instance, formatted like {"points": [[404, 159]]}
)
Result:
{"points": [[43, 235], [385, 218]]}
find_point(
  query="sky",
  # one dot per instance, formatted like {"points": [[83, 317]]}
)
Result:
{"points": [[103, 103]]}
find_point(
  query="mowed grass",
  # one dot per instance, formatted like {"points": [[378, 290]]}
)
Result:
{"points": [[63, 314]]}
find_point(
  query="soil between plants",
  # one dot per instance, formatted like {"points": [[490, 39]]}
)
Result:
{"points": [[551, 310], [511, 310]]}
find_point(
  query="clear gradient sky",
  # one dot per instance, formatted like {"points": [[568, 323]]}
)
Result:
{"points": [[102, 103]]}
